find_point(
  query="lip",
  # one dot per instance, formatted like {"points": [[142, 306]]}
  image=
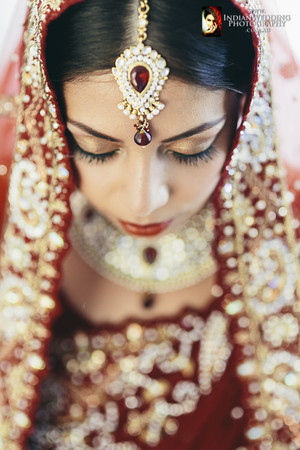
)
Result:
{"points": [[145, 230]]}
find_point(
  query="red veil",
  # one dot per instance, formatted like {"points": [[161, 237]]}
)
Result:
{"points": [[255, 246]]}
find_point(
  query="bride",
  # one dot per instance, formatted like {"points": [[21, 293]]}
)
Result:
{"points": [[149, 261]]}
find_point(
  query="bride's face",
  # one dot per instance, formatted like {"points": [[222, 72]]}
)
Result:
{"points": [[166, 182]]}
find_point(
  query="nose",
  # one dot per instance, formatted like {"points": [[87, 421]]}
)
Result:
{"points": [[145, 184]]}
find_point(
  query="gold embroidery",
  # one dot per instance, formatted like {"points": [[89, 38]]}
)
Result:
{"points": [[268, 269], [103, 371], [28, 275]]}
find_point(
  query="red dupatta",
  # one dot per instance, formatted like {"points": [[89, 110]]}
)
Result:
{"points": [[255, 228]]}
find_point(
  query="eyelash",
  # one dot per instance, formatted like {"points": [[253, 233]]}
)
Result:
{"points": [[191, 160], [92, 157]]}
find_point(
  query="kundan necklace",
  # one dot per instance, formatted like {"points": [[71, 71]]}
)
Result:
{"points": [[172, 262]]}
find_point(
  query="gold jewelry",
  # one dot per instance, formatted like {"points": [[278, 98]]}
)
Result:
{"points": [[141, 73], [173, 262]]}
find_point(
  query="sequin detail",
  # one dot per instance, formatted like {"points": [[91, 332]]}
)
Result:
{"points": [[261, 260], [33, 239], [107, 372]]}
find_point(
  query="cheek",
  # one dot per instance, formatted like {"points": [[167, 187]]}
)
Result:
{"points": [[193, 186], [201, 180], [189, 185], [93, 180]]}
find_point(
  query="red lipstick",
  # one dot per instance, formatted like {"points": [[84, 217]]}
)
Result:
{"points": [[145, 230]]}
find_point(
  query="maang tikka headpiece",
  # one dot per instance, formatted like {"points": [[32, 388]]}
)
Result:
{"points": [[141, 73]]}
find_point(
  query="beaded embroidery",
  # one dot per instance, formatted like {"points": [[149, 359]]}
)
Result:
{"points": [[261, 258], [33, 239], [106, 369], [256, 251]]}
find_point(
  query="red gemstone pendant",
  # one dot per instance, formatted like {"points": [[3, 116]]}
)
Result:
{"points": [[139, 78], [150, 255], [142, 137]]}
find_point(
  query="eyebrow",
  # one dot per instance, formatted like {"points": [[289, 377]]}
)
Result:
{"points": [[92, 132], [203, 127]]}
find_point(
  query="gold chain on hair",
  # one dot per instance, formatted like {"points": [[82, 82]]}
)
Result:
{"points": [[142, 21]]}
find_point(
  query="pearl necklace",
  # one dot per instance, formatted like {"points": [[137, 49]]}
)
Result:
{"points": [[172, 262]]}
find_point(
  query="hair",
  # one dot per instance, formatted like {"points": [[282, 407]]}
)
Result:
{"points": [[209, 11], [90, 35]]}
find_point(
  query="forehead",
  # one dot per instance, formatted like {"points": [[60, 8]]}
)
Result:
{"points": [[94, 100]]}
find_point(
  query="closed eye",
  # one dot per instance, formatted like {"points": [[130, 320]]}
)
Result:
{"points": [[205, 155], [95, 157], [191, 160]]}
